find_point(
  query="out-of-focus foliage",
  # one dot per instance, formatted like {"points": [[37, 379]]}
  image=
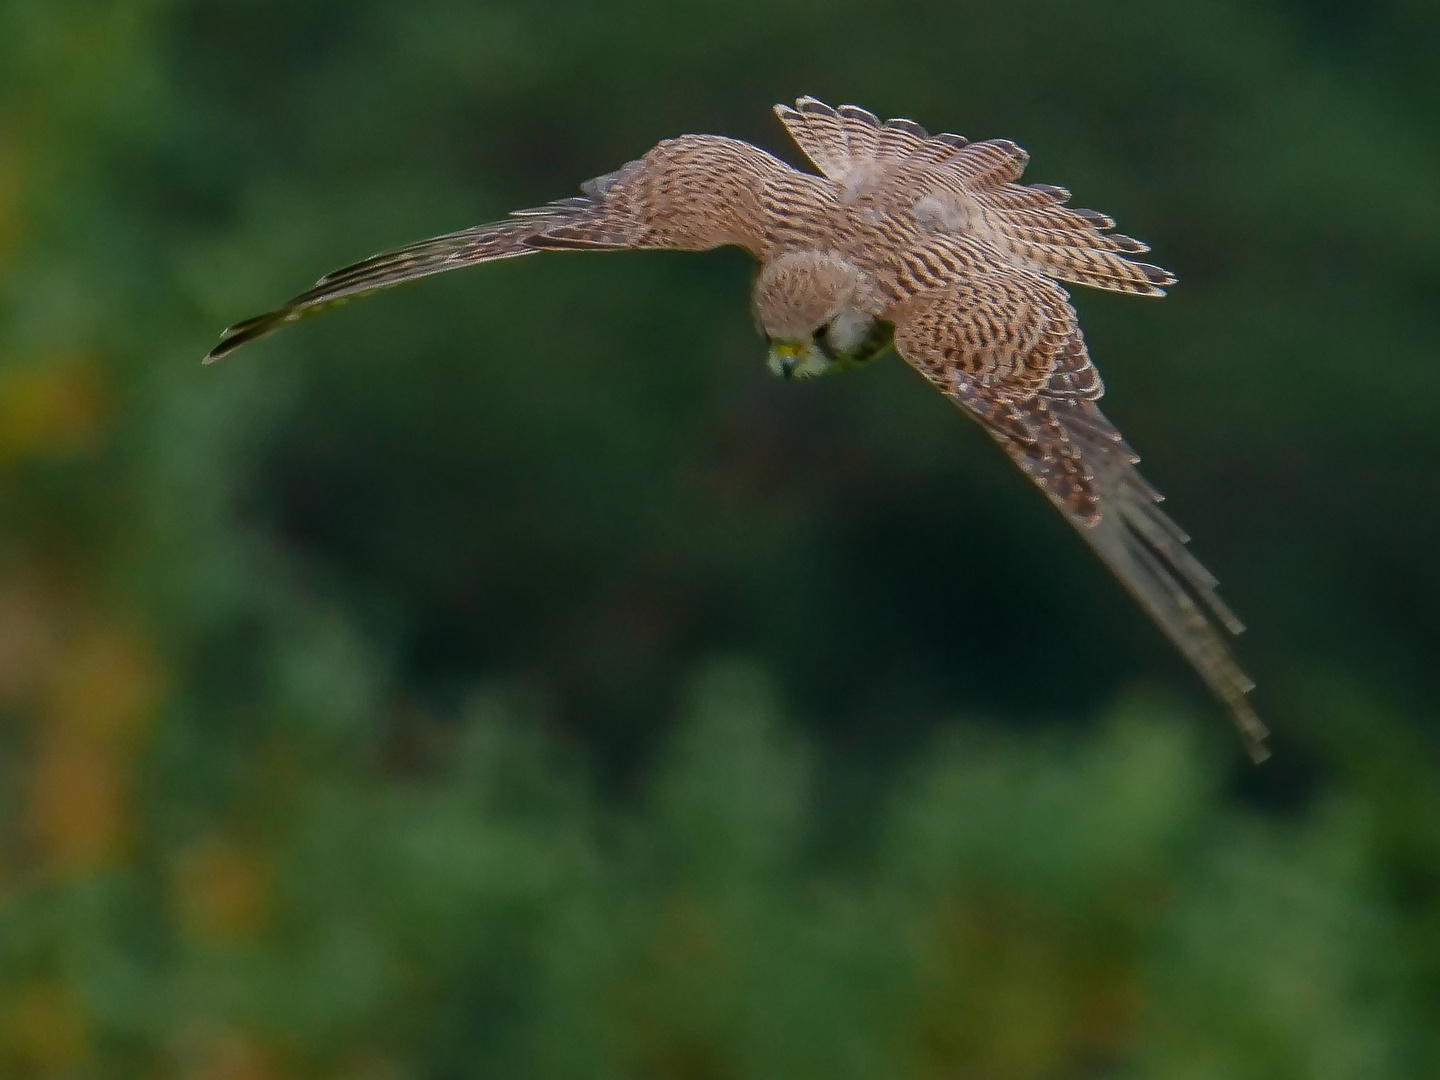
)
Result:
{"points": [[362, 715], [1007, 911]]}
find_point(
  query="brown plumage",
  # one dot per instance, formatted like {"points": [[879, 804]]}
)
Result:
{"points": [[926, 241]]}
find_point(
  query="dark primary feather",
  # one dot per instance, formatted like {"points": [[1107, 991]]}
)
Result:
{"points": [[1086, 469], [1005, 344], [690, 193], [486, 243], [521, 234]]}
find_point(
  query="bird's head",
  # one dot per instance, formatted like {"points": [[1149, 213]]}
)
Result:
{"points": [[819, 314]]}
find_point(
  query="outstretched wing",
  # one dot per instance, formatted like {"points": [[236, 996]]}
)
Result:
{"points": [[970, 187], [970, 343], [691, 193]]}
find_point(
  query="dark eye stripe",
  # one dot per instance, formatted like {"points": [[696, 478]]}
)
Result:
{"points": [[822, 341]]}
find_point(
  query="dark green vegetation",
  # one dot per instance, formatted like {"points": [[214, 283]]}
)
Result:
{"points": [[506, 677]]}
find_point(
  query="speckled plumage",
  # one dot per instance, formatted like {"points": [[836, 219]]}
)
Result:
{"points": [[930, 235]]}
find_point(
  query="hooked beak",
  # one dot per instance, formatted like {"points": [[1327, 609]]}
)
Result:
{"points": [[785, 357]]}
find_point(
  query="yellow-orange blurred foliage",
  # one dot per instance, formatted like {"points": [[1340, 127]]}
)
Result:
{"points": [[52, 408], [220, 890], [43, 1030], [89, 688], [225, 1054], [1017, 988]]}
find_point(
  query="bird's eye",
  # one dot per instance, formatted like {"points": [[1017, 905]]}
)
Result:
{"points": [[821, 337]]}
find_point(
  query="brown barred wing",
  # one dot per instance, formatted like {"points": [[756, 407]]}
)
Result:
{"points": [[971, 187], [690, 193], [469, 247], [1003, 328], [1004, 346], [1082, 464]]}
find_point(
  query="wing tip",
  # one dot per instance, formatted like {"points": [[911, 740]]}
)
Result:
{"points": [[242, 333], [1156, 275], [1128, 244], [1253, 731]]}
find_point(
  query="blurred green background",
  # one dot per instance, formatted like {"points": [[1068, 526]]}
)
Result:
{"points": [[506, 677]]}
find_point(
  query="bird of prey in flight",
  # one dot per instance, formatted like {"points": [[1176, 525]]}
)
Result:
{"points": [[906, 240]]}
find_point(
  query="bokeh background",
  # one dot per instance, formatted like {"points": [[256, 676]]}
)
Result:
{"points": [[506, 677]]}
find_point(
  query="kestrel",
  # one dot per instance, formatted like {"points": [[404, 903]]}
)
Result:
{"points": [[924, 243]]}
